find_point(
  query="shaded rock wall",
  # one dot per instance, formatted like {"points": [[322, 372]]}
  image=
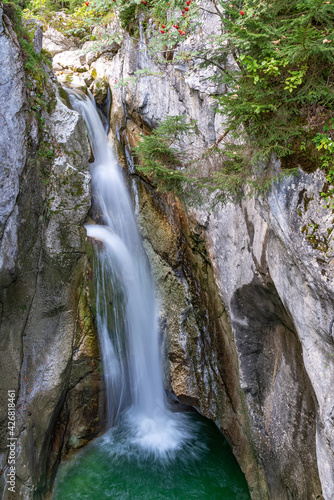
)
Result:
{"points": [[47, 340], [202, 365], [240, 364]]}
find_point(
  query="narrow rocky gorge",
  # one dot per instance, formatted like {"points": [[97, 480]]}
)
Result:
{"points": [[245, 289]]}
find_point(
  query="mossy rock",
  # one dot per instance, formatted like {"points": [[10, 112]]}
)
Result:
{"points": [[99, 89], [34, 28]]}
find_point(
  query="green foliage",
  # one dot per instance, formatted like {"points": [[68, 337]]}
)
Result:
{"points": [[39, 98], [14, 13], [33, 62], [325, 143], [284, 60], [46, 154], [169, 159], [81, 16], [46, 151], [129, 11], [40, 6], [43, 8], [128, 14], [159, 158], [84, 18], [73, 4], [19, 3]]}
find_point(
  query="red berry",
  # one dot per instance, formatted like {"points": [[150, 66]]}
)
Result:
{"points": [[242, 13], [186, 9], [163, 26], [188, 3], [87, 3], [162, 31], [175, 26]]}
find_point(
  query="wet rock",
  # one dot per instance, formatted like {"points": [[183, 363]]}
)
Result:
{"points": [[87, 78], [99, 89], [202, 369], [78, 82]]}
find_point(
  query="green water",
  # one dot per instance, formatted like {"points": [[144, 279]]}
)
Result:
{"points": [[115, 467]]}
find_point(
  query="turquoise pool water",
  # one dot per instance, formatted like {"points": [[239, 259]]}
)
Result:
{"points": [[114, 466]]}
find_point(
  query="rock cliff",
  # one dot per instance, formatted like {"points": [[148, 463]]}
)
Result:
{"points": [[246, 290], [48, 352]]}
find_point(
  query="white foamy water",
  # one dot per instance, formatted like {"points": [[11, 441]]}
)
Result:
{"points": [[126, 308]]}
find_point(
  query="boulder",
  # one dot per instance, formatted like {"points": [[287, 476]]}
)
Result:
{"points": [[74, 60], [99, 89], [55, 42], [74, 80], [94, 50]]}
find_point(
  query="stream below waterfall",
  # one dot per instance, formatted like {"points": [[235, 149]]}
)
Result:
{"points": [[148, 451]]}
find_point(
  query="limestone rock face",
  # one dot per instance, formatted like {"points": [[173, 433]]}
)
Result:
{"points": [[245, 291], [233, 348], [274, 373], [48, 346], [70, 59], [35, 28], [94, 50], [12, 112], [280, 296], [81, 59], [55, 42]]}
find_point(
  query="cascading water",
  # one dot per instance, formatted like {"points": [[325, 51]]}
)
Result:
{"points": [[127, 328], [148, 451]]}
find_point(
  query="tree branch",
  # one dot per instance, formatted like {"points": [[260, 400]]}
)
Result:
{"points": [[215, 144], [210, 12], [206, 59]]}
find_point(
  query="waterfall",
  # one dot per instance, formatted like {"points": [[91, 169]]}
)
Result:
{"points": [[148, 452], [125, 305]]}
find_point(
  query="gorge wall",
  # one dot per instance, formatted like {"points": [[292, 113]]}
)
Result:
{"points": [[245, 290], [48, 350]]}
